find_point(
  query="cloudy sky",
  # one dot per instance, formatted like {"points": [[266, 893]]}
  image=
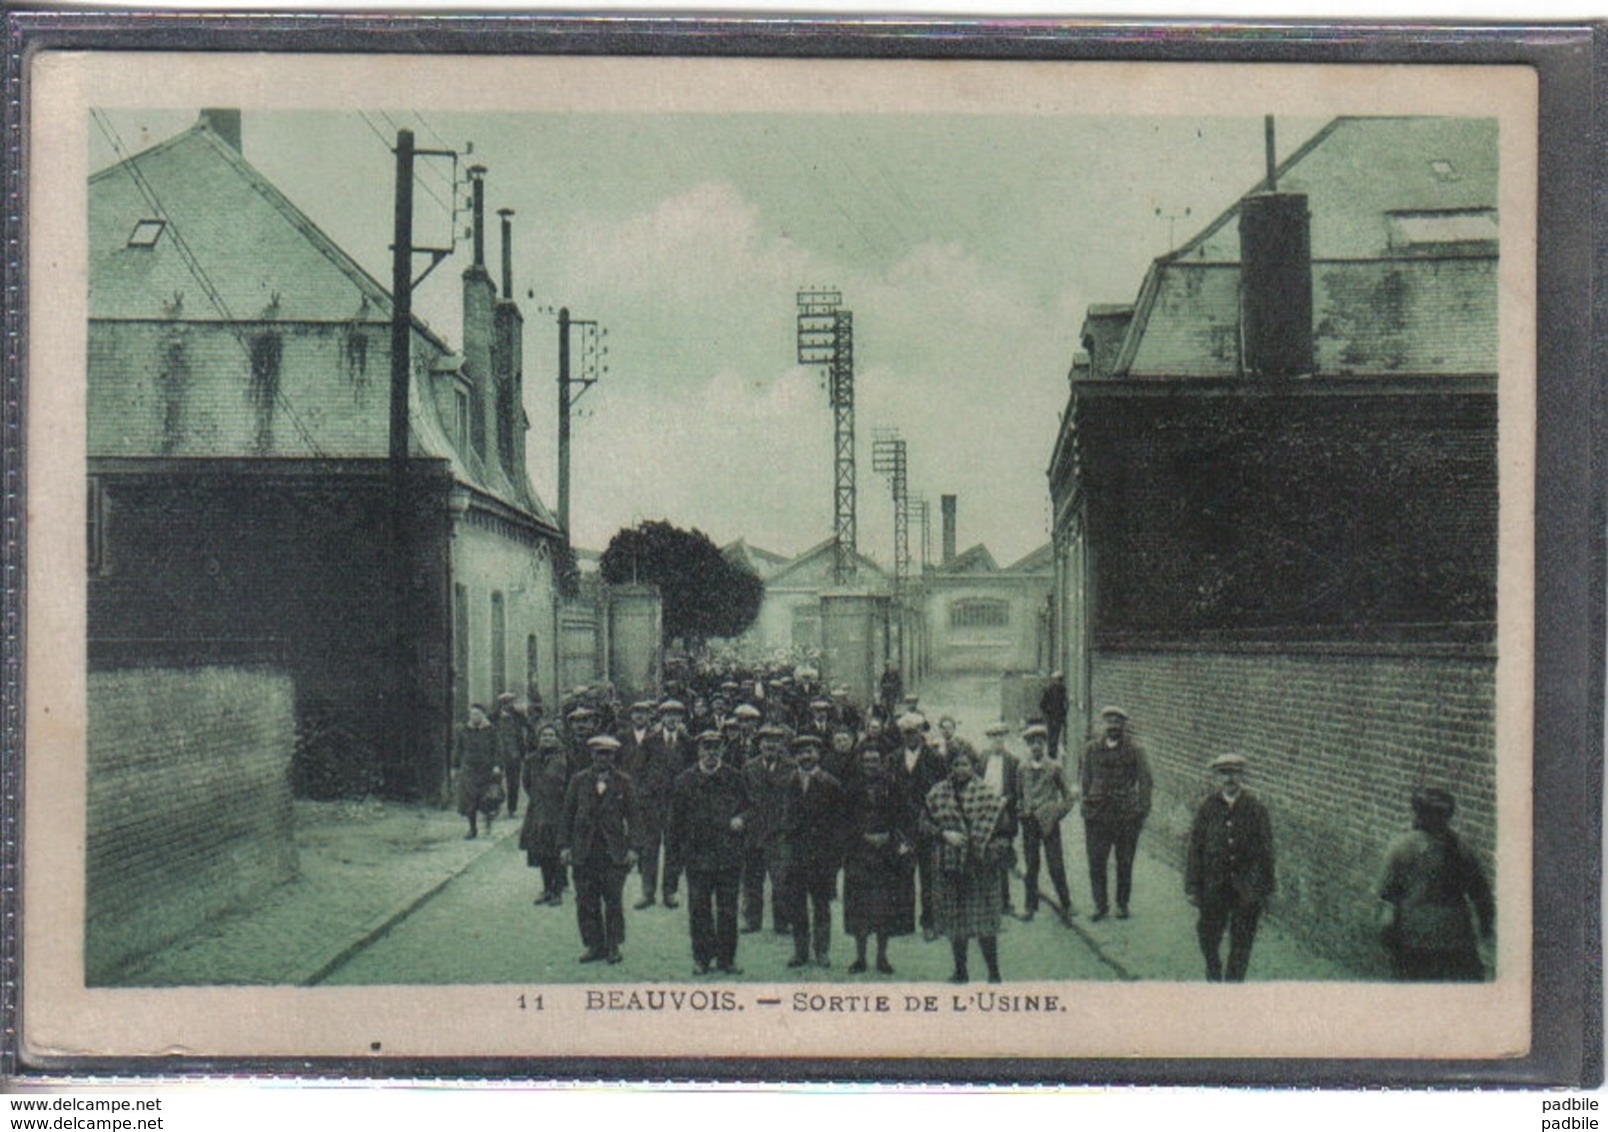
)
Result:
{"points": [[967, 246]]}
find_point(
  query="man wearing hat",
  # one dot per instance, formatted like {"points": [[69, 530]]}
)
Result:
{"points": [[667, 751], [512, 739], [708, 814], [813, 816], [743, 744], [582, 722], [1114, 779], [1043, 799], [767, 775], [1228, 872], [600, 819], [634, 735], [1441, 914], [914, 769], [1052, 706], [998, 768]]}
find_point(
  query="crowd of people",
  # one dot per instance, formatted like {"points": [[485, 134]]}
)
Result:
{"points": [[765, 790]]}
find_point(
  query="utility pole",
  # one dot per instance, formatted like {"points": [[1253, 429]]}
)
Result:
{"points": [[826, 337], [593, 351], [888, 457], [401, 725]]}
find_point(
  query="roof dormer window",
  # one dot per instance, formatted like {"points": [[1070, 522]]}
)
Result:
{"points": [[146, 233]]}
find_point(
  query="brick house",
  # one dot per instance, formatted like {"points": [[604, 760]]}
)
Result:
{"points": [[238, 415], [1275, 507]]}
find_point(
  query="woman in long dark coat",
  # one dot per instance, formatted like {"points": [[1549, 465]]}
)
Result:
{"points": [[972, 828], [879, 887], [546, 777], [477, 768]]}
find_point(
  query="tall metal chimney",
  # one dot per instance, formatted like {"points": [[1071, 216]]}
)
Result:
{"points": [[477, 178], [507, 215], [947, 502]]}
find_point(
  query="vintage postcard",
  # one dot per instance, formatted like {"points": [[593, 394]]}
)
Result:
{"points": [[709, 557]]}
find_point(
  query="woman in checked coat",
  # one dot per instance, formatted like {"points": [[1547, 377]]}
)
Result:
{"points": [[973, 829]]}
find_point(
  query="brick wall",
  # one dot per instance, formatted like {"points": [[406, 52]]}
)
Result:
{"points": [[189, 808], [1336, 743]]}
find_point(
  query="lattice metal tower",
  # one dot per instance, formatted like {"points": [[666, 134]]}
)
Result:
{"points": [[888, 457], [921, 515], [826, 337]]}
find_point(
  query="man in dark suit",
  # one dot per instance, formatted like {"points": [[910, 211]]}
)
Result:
{"points": [[1114, 779], [600, 817], [664, 754], [813, 825], [1052, 706], [914, 769], [1228, 872], [767, 775], [708, 812]]}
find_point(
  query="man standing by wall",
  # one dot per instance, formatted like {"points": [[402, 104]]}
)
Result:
{"points": [[1043, 799], [1114, 778], [1228, 874], [1052, 706]]}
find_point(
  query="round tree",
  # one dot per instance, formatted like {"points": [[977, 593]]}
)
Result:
{"points": [[704, 595]]}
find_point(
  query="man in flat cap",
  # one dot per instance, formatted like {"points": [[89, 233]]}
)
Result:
{"points": [[1228, 872], [1114, 779], [1043, 799], [767, 774], [600, 818], [665, 753], [914, 769], [813, 822], [708, 815]]}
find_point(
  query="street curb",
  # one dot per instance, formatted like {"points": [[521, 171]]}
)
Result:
{"points": [[1121, 970], [316, 974]]}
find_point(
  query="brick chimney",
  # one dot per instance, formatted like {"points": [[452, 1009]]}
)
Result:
{"points": [[508, 363], [479, 295]]}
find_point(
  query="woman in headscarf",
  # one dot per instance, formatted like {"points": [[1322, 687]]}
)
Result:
{"points": [[1437, 895], [547, 775], [973, 830], [879, 886]]}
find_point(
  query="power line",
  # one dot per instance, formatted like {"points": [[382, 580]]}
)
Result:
{"points": [[450, 210], [193, 263]]}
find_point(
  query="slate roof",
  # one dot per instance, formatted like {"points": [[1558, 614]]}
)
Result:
{"points": [[763, 563], [1382, 303], [974, 560], [244, 258], [1034, 562], [813, 569]]}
